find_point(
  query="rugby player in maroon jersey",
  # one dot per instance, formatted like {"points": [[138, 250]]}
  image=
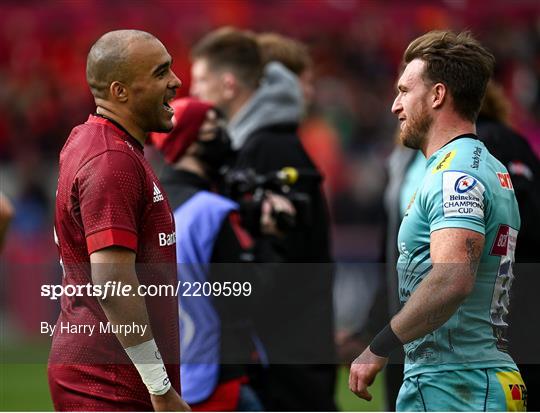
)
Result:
{"points": [[111, 219]]}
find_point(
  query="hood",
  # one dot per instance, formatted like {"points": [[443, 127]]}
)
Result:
{"points": [[277, 101]]}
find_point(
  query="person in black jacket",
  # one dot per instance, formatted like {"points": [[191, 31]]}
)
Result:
{"points": [[217, 333], [263, 106]]}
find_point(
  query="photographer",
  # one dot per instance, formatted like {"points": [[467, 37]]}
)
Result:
{"points": [[263, 106], [216, 331]]}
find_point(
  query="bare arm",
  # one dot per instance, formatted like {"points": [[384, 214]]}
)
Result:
{"points": [[455, 254], [118, 264]]}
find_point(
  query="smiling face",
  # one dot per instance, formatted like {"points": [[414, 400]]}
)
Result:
{"points": [[411, 106], [153, 85]]}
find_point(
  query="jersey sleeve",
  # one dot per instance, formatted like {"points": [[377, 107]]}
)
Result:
{"points": [[454, 199], [111, 199]]}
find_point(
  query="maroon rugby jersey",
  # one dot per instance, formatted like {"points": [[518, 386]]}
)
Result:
{"points": [[108, 195]]}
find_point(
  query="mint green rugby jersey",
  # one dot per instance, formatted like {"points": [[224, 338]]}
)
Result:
{"points": [[464, 186]]}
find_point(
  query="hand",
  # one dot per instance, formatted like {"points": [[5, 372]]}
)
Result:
{"points": [[169, 402], [364, 369], [274, 204]]}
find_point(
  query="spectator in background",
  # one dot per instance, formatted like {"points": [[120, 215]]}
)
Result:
{"points": [[294, 55], [514, 151], [318, 137], [263, 105], [216, 332], [6, 214]]}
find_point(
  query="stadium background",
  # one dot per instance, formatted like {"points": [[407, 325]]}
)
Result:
{"points": [[356, 47]]}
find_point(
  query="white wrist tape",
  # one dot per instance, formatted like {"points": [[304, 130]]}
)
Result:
{"points": [[147, 360]]}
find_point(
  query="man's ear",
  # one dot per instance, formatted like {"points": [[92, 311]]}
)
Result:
{"points": [[118, 91], [438, 95], [230, 85]]}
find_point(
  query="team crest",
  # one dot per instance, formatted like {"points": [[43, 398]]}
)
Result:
{"points": [[444, 163]]}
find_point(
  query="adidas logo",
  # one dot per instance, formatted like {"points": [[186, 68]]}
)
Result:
{"points": [[158, 196]]}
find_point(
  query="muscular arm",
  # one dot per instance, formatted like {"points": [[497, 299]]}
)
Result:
{"points": [[118, 264], [455, 254]]}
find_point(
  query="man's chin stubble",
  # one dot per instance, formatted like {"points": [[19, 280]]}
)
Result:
{"points": [[411, 141], [414, 139]]}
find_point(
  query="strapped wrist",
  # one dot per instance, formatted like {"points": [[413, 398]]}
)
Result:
{"points": [[148, 362], [385, 342]]}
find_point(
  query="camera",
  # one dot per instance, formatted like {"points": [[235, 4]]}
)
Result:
{"points": [[248, 189]]}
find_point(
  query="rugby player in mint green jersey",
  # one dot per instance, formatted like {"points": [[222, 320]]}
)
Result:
{"points": [[456, 243]]}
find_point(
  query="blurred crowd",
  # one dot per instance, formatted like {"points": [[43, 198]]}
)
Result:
{"points": [[356, 48]]}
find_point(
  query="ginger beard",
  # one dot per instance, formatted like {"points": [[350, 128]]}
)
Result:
{"points": [[416, 128]]}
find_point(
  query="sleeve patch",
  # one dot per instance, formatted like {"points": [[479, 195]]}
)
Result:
{"points": [[463, 195], [505, 181], [445, 162]]}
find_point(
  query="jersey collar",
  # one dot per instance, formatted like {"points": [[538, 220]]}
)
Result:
{"points": [[465, 135], [438, 151], [98, 118]]}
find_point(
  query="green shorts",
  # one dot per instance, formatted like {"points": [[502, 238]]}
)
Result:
{"points": [[492, 389]]}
